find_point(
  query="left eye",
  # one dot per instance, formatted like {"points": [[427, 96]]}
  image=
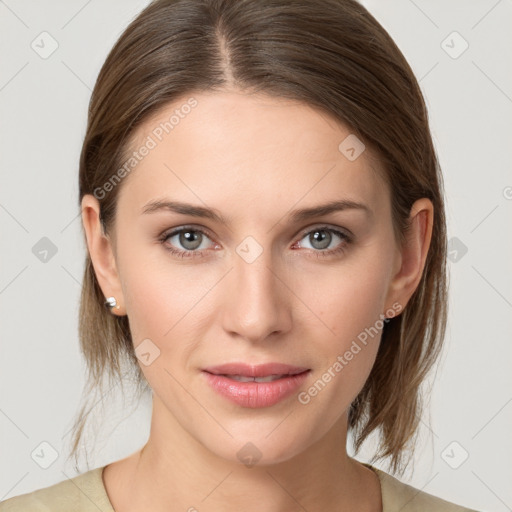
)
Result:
{"points": [[188, 238], [318, 236]]}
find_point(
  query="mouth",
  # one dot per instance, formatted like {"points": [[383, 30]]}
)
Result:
{"points": [[255, 386], [266, 372], [245, 378]]}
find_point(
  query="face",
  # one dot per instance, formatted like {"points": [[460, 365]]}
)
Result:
{"points": [[262, 285]]}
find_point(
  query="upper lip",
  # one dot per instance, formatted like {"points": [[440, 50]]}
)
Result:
{"points": [[260, 370]]}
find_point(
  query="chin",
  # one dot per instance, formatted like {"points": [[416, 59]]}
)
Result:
{"points": [[257, 447]]}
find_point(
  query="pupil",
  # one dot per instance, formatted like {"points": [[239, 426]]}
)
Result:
{"points": [[190, 237], [321, 238]]}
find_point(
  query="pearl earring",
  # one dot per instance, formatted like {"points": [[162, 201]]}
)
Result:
{"points": [[111, 302]]}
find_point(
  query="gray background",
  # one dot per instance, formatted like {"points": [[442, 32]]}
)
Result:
{"points": [[43, 105]]}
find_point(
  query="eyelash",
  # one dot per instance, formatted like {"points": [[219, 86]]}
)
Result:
{"points": [[199, 253]]}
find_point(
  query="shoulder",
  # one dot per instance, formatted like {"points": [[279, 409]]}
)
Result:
{"points": [[398, 496], [83, 493]]}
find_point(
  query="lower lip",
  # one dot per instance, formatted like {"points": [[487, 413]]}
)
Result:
{"points": [[256, 394]]}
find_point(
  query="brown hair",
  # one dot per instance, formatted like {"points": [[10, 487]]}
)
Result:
{"points": [[332, 55]]}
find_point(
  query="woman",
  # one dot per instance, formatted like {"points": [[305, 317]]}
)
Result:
{"points": [[263, 211]]}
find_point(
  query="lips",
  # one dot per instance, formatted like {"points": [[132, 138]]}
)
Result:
{"points": [[243, 378], [271, 371], [255, 386]]}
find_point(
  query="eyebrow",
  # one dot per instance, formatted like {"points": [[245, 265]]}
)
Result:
{"points": [[295, 216]]}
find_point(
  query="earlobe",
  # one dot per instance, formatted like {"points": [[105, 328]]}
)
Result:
{"points": [[101, 252], [413, 254]]}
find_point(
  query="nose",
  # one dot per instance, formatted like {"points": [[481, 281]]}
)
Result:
{"points": [[257, 303]]}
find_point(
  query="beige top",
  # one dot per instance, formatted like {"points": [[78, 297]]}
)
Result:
{"points": [[86, 493]]}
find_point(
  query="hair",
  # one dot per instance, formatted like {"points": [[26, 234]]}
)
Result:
{"points": [[332, 55]]}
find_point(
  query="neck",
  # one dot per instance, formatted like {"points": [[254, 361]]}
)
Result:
{"points": [[173, 471]]}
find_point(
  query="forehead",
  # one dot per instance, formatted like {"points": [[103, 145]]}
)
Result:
{"points": [[257, 148]]}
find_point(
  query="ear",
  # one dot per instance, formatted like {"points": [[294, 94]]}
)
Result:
{"points": [[411, 257], [101, 251]]}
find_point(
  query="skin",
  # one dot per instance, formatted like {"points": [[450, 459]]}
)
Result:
{"points": [[253, 158]]}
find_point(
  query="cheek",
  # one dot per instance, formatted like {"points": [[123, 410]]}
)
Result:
{"points": [[158, 291], [345, 358], [167, 303], [161, 303], [346, 300], [350, 308]]}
